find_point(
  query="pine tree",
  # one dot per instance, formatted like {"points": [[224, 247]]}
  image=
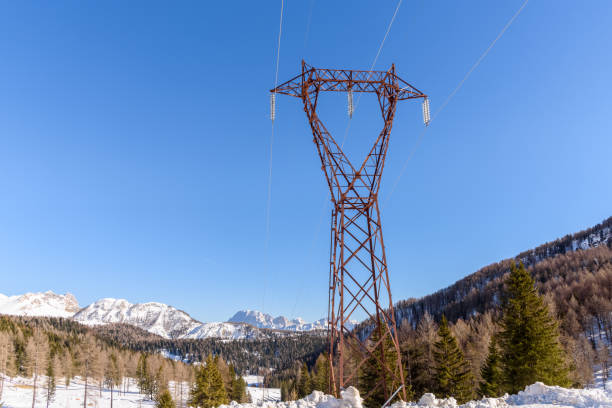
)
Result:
{"points": [[491, 372], [142, 375], [226, 375], [208, 390], [452, 372], [6, 358], [529, 339], [112, 374], [52, 372], [304, 383], [320, 380], [37, 352], [371, 370], [164, 400], [238, 393], [416, 370], [87, 360]]}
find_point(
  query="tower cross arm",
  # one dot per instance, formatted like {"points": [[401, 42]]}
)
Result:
{"points": [[344, 80]]}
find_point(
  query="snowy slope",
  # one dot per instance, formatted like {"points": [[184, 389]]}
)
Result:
{"points": [[39, 304], [154, 317], [160, 319], [266, 321], [157, 318], [18, 394], [537, 395]]}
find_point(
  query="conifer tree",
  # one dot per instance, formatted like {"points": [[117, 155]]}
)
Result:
{"points": [[416, 370], [238, 393], [320, 380], [112, 374], [453, 377], [529, 338], [304, 383], [37, 352], [225, 374], [369, 376], [208, 390], [491, 372], [52, 372], [6, 358], [284, 391], [87, 360], [164, 400]]}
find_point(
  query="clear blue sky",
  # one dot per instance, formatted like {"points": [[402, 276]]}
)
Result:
{"points": [[135, 144]]}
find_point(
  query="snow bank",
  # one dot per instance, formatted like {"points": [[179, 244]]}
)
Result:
{"points": [[537, 395], [18, 394]]}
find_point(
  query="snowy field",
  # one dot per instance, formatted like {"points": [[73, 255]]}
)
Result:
{"points": [[253, 380], [534, 396], [259, 395], [18, 394]]}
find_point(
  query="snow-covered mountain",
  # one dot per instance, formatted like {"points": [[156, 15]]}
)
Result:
{"points": [[157, 318], [266, 321], [160, 319], [39, 304]]}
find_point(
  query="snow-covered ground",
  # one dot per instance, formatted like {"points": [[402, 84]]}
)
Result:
{"points": [[253, 380], [259, 395], [537, 395], [18, 394]]}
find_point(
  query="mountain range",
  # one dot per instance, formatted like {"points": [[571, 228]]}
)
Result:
{"points": [[464, 298], [157, 318]]}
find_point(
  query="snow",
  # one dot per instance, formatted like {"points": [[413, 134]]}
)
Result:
{"points": [[157, 318], [161, 319], [259, 395], [537, 395], [18, 394], [253, 380], [266, 321], [39, 304]]}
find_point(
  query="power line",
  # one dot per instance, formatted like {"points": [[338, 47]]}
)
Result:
{"points": [[382, 43], [269, 198], [452, 94]]}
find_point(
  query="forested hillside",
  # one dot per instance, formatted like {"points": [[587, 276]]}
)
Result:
{"points": [[274, 351], [477, 292]]}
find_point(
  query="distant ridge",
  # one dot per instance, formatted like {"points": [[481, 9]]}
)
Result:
{"points": [[157, 318], [266, 321], [471, 294], [39, 304]]}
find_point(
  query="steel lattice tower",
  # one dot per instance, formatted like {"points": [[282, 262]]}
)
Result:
{"points": [[358, 268]]}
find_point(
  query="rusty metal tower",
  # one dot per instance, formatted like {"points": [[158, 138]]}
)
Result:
{"points": [[359, 279]]}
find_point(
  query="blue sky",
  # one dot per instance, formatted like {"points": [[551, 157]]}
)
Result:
{"points": [[135, 144]]}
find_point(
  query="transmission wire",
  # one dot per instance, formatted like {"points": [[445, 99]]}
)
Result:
{"points": [[382, 43], [269, 198], [451, 95]]}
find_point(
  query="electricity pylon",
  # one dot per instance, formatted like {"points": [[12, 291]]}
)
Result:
{"points": [[359, 278]]}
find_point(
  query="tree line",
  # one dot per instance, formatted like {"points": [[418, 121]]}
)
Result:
{"points": [[274, 351], [56, 351], [553, 329]]}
